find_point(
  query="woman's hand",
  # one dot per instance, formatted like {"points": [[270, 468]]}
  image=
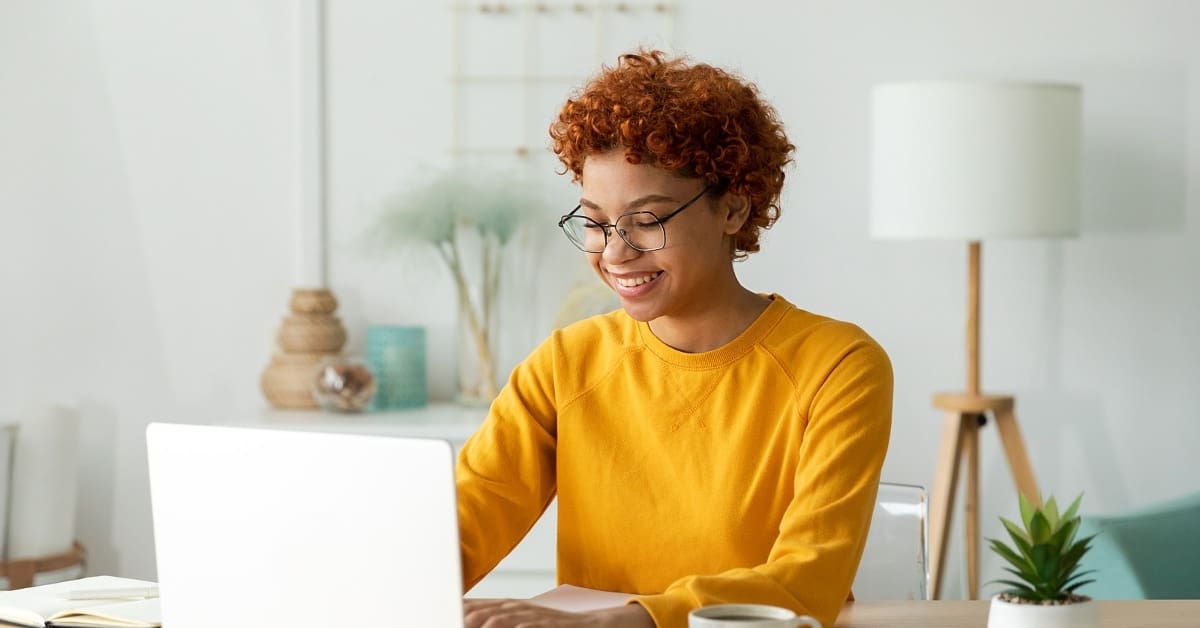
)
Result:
{"points": [[522, 614]]}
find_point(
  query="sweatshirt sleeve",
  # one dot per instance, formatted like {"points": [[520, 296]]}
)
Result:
{"points": [[814, 559], [505, 472]]}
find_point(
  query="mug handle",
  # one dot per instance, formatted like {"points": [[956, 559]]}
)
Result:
{"points": [[805, 620]]}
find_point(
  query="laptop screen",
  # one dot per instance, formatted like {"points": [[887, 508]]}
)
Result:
{"points": [[261, 527]]}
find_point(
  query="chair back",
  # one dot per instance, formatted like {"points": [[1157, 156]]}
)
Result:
{"points": [[894, 565]]}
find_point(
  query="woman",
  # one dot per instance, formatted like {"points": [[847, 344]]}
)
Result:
{"points": [[707, 444]]}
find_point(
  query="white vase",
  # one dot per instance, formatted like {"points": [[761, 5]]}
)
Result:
{"points": [[1004, 614]]}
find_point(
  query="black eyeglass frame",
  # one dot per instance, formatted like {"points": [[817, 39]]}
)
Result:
{"points": [[606, 226]]}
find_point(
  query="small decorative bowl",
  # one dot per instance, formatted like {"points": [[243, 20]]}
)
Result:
{"points": [[343, 384]]}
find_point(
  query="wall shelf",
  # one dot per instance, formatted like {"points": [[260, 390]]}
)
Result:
{"points": [[446, 421]]}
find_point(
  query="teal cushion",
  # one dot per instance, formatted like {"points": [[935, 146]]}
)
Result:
{"points": [[1151, 553]]}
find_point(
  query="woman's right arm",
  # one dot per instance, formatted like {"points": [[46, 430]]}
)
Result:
{"points": [[505, 471]]}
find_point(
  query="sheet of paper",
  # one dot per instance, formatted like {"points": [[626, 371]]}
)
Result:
{"points": [[135, 613], [571, 598]]}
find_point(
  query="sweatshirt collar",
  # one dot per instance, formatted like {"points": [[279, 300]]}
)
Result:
{"points": [[726, 353]]}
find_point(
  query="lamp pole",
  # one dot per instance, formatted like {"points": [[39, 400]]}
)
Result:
{"points": [[971, 424]]}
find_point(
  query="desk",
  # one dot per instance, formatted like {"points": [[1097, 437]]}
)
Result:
{"points": [[973, 614]]}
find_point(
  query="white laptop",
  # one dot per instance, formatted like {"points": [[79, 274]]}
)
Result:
{"points": [[259, 527]]}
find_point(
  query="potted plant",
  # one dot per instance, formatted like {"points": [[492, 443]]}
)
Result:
{"points": [[1044, 557]]}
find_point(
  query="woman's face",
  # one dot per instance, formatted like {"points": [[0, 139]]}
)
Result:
{"points": [[681, 278]]}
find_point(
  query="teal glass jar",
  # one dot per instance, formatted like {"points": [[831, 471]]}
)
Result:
{"points": [[396, 355]]}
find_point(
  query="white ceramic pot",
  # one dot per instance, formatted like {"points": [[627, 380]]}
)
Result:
{"points": [[1009, 615]]}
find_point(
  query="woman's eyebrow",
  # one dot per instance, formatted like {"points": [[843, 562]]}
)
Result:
{"points": [[641, 201]]}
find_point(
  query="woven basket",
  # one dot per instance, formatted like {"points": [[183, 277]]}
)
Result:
{"points": [[317, 301], [287, 380], [311, 333]]}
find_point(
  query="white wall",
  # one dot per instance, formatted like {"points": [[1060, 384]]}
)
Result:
{"points": [[145, 162], [146, 238]]}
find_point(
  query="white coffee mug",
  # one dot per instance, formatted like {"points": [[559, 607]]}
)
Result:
{"points": [[748, 616]]}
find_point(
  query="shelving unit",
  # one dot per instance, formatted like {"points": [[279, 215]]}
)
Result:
{"points": [[445, 421], [555, 46]]}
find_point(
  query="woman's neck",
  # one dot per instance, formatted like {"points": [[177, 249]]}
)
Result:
{"points": [[713, 326]]}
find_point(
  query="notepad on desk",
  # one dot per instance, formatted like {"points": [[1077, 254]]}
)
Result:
{"points": [[566, 597], [51, 605]]}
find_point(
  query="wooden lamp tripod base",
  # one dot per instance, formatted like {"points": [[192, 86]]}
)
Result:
{"points": [[965, 414]]}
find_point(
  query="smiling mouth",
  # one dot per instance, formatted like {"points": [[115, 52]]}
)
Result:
{"points": [[633, 282]]}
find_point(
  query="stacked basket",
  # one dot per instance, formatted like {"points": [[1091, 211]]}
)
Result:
{"points": [[307, 336]]}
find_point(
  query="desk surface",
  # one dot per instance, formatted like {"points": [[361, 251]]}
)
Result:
{"points": [[973, 614]]}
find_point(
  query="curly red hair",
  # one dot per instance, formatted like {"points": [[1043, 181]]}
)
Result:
{"points": [[693, 120]]}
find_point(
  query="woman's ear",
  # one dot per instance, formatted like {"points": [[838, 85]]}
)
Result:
{"points": [[736, 210]]}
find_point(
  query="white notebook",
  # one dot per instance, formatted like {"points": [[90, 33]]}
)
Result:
{"points": [[48, 605]]}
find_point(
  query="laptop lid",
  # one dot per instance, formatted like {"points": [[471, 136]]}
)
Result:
{"points": [[256, 527]]}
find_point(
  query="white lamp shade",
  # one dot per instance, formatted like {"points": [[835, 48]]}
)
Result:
{"points": [[975, 160]]}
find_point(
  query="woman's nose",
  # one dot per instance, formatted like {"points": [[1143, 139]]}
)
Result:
{"points": [[617, 250]]}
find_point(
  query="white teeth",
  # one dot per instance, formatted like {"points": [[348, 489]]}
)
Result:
{"points": [[630, 282]]}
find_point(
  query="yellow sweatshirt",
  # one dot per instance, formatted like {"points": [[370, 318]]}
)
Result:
{"points": [[743, 474]]}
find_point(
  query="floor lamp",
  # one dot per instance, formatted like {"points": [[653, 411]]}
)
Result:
{"points": [[973, 161]]}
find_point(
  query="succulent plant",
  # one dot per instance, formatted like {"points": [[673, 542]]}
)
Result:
{"points": [[1044, 555]]}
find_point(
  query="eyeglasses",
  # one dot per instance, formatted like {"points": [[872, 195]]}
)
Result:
{"points": [[642, 231]]}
